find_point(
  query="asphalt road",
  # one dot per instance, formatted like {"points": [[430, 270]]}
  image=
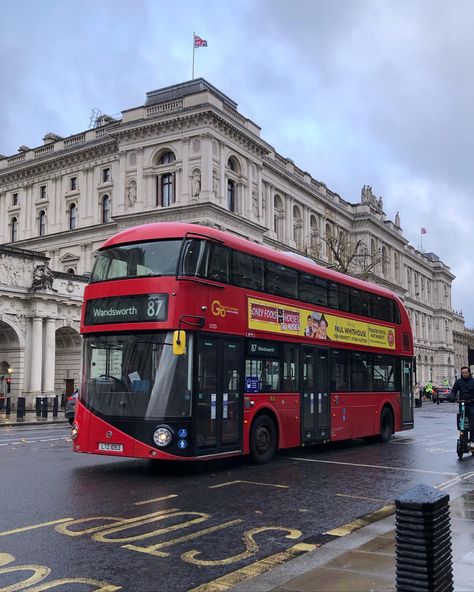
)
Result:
{"points": [[73, 522]]}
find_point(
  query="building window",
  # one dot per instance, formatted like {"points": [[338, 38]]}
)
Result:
{"points": [[167, 158], [165, 182], [70, 271], [106, 175], [14, 230], [42, 223], [165, 190], [73, 184], [106, 209], [231, 195], [72, 216], [42, 194], [14, 199]]}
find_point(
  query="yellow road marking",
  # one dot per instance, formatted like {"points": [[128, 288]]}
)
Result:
{"points": [[156, 499], [153, 549], [248, 483], [361, 522], [369, 499], [254, 569], [25, 528]]}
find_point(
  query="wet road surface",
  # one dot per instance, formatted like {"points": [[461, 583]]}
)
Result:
{"points": [[86, 523]]}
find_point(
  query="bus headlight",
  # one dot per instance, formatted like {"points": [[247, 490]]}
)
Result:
{"points": [[162, 436]]}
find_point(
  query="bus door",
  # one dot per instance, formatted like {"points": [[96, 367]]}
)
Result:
{"points": [[315, 412], [406, 392], [218, 401]]}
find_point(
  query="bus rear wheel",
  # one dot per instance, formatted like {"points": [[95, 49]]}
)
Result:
{"points": [[263, 439], [386, 425]]}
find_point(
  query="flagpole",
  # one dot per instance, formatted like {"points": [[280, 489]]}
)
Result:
{"points": [[193, 56], [421, 241]]}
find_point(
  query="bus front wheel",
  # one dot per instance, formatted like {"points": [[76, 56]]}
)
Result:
{"points": [[386, 425], [263, 439]]}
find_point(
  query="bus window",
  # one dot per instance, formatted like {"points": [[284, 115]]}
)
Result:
{"points": [[361, 371], [381, 308], [290, 368], [313, 289], [340, 371], [384, 373], [280, 280], [218, 269], [247, 271], [153, 258], [194, 260], [359, 302]]}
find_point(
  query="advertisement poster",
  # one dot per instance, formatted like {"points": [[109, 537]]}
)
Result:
{"points": [[289, 320]]}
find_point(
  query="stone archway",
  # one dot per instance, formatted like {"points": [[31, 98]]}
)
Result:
{"points": [[68, 360], [11, 357]]}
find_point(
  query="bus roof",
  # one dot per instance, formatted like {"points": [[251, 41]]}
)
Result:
{"points": [[169, 230]]}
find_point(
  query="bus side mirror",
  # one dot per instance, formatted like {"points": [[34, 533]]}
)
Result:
{"points": [[179, 342]]}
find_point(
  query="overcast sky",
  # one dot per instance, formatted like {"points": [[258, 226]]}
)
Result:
{"points": [[356, 92]]}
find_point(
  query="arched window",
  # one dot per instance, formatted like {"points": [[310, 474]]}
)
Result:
{"points": [[278, 217], [231, 195], [14, 230], [72, 216], [233, 165], [167, 158], [165, 187], [70, 271], [42, 223], [105, 209], [297, 227]]}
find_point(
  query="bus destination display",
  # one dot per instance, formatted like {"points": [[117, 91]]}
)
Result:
{"points": [[139, 308]]}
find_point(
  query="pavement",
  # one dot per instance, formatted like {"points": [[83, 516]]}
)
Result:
{"points": [[359, 557], [365, 559], [30, 418]]}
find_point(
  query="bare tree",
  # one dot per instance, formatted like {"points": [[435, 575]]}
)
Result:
{"points": [[347, 255]]}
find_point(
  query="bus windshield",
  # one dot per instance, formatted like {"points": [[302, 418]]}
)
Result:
{"points": [[154, 258], [136, 377]]}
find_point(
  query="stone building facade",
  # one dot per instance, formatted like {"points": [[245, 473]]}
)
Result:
{"points": [[187, 154]]}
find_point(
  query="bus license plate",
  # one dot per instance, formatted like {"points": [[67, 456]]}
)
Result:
{"points": [[109, 446]]}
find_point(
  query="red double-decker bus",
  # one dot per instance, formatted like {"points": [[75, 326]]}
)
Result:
{"points": [[199, 344]]}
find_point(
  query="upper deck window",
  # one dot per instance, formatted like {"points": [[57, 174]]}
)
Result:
{"points": [[137, 260]]}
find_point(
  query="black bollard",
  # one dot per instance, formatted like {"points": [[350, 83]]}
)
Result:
{"points": [[20, 408], [44, 407], [63, 401], [38, 406], [423, 541], [55, 406], [8, 407]]}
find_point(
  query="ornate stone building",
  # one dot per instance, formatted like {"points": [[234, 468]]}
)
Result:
{"points": [[187, 154]]}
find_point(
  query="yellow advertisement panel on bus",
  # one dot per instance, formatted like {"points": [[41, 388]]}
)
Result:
{"points": [[290, 320]]}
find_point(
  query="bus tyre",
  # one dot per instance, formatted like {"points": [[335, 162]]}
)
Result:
{"points": [[263, 441], [386, 425]]}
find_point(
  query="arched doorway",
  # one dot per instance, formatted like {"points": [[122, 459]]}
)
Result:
{"points": [[11, 358], [68, 360]]}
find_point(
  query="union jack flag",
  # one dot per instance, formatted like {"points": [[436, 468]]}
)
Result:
{"points": [[423, 230], [199, 42]]}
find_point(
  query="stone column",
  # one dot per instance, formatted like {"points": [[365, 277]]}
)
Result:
{"points": [[118, 200], [89, 209], [185, 195], [268, 207], [36, 354], [206, 167], [288, 225], [141, 191], [49, 359], [222, 198], [4, 238], [260, 189]]}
